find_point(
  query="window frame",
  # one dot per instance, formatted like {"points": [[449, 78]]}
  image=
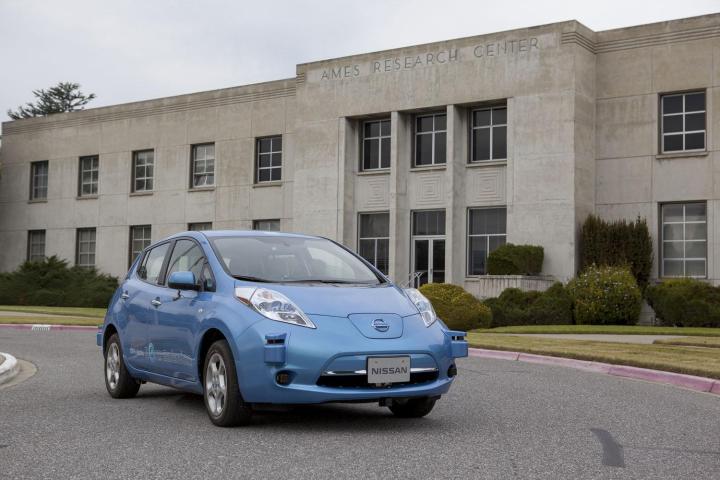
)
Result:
{"points": [[682, 133], [374, 239], [255, 222], [34, 176], [491, 127], [433, 133], [270, 153], [30, 243], [684, 259], [193, 159], [78, 253], [135, 178], [379, 138], [468, 236], [92, 169], [131, 257]]}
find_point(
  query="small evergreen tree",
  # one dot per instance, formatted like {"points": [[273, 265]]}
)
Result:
{"points": [[63, 97]]}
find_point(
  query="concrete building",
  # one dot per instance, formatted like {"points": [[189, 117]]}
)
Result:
{"points": [[422, 158]]}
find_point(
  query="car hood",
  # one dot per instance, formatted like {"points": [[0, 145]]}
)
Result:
{"points": [[344, 300]]}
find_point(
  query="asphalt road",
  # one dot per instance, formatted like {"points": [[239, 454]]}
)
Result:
{"points": [[500, 420]]}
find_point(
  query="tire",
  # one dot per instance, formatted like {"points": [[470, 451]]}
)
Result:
{"points": [[412, 407], [223, 401], [118, 381]]}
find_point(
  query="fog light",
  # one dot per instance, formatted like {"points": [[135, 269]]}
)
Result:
{"points": [[283, 378], [452, 371]]}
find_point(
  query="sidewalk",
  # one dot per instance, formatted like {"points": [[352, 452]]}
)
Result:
{"points": [[639, 339]]}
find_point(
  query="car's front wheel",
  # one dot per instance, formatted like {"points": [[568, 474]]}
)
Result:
{"points": [[223, 401], [412, 407], [118, 381]]}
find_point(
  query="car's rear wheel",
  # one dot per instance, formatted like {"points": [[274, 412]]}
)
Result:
{"points": [[412, 407], [118, 381], [223, 401]]}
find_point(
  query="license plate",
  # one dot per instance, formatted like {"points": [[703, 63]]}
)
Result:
{"points": [[388, 369]]}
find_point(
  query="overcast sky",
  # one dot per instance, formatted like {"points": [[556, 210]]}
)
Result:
{"points": [[134, 50]]}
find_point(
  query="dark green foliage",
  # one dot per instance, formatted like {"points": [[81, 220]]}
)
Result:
{"points": [[685, 303], [63, 97], [459, 309], [605, 296], [52, 283], [516, 307], [617, 243], [512, 259]]}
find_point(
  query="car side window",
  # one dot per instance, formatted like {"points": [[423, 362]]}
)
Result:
{"points": [[187, 256], [152, 264]]}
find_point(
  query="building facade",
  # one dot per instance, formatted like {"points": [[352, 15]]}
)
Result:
{"points": [[423, 159]]}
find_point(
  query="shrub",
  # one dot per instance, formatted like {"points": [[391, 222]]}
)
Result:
{"points": [[516, 307], [459, 309], [52, 283], [685, 303], [605, 296], [617, 243], [512, 259]]}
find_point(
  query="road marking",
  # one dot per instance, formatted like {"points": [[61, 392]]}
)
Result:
{"points": [[613, 454]]}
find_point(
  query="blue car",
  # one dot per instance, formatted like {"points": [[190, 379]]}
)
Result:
{"points": [[248, 319]]}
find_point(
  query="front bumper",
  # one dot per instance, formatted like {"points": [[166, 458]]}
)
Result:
{"points": [[328, 364]]}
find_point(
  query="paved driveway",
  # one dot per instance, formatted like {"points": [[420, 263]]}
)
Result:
{"points": [[501, 420]]}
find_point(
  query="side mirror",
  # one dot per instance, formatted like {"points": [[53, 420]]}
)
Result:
{"points": [[183, 281]]}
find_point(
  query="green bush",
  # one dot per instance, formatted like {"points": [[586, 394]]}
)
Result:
{"points": [[512, 259], [52, 283], [685, 303], [605, 296], [459, 309], [617, 243], [516, 307]]}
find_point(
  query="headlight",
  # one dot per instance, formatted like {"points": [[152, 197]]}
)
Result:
{"points": [[273, 305], [427, 312]]}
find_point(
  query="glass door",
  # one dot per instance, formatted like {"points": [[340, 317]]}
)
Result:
{"points": [[428, 261]]}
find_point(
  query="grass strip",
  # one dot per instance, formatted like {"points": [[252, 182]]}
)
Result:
{"points": [[670, 358], [607, 330], [60, 320], [708, 342], [71, 311]]}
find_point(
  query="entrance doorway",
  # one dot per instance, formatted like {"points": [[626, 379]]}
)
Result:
{"points": [[428, 247]]}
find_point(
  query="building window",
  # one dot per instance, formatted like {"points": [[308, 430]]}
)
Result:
{"points": [[36, 246], [486, 232], [430, 139], [376, 144], [38, 180], [374, 239], [267, 225], [139, 240], [269, 159], [684, 239], [89, 170], [199, 226], [203, 165], [489, 134], [85, 248], [143, 171], [683, 122]]}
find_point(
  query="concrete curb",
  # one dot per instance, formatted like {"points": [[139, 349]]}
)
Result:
{"points": [[40, 327], [691, 382], [9, 368]]}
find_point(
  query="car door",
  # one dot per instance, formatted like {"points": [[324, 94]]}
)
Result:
{"points": [[137, 296], [180, 314]]}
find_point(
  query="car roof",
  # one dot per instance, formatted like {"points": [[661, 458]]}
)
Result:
{"points": [[239, 233]]}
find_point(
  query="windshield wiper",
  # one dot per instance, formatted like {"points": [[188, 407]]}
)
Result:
{"points": [[249, 278]]}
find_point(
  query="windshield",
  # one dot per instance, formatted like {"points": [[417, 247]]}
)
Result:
{"points": [[291, 259]]}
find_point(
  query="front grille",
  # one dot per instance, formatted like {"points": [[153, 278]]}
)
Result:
{"points": [[360, 381]]}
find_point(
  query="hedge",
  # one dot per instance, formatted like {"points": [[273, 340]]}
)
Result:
{"points": [[456, 307], [516, 307], [512, 259], [605, 295], [685, 303], [617, 243], [52, 283]]}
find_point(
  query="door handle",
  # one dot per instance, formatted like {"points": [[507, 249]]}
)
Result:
{"points": [[156, 302], [125, 295]]}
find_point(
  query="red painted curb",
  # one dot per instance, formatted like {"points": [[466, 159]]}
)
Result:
{"points": [[29, 326], [691, 382]]}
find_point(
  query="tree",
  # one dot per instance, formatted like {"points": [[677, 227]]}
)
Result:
{"points": [[63, 97]]}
